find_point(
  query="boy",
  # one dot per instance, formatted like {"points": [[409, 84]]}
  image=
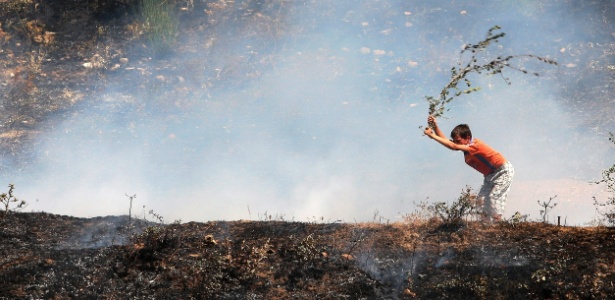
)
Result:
{"points": [[497, 170]]}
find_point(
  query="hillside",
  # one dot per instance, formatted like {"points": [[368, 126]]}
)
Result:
{"points": [[47, 256], [99, 62]]}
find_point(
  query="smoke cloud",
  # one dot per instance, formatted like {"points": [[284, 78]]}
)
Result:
{"points": [[329, 130]]}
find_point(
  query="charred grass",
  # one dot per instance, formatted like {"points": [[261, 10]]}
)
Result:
{"points": [[58, 257]]}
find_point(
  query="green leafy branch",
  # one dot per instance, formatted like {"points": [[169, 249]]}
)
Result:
{"points": [[455, 87]]}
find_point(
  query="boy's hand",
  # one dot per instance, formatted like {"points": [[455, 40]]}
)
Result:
{"points": [[428, 132], [432, 121]]}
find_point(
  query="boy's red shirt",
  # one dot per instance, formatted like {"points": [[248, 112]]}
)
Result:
{"points": [[482, 157]]}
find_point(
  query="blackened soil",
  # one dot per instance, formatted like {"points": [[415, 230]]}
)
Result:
{"points": [[45, 256]]}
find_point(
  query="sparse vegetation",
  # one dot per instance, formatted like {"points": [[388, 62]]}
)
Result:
{"points": [[293, 260], [8, 199], [517, 218], [459, 211], [607, 208], [130, 198], [546, 207]]}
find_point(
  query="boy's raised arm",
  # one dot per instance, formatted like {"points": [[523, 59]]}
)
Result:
{"points": [[431, 120], [444, 141]]}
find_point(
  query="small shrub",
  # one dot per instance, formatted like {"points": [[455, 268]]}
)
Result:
{"points": [[254, 255], [607, 208], [546, 207], [302, 259], [8, 198], [517, 218], [303, 252], [131, 198], [455, 214], [154, 239]]}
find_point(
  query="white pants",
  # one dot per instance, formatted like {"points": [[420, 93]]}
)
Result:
{"points": [[495, 189]]}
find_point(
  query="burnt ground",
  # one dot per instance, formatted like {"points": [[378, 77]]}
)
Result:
{"points": [[55, 54], [46, 256]]}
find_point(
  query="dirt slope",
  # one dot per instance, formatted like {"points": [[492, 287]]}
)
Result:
{"points": [[45, 256]]}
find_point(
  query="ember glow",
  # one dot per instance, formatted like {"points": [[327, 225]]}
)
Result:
{"points": [[324, 123]]}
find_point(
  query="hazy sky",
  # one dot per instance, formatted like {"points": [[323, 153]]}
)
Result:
{"points": [[330, 129]]}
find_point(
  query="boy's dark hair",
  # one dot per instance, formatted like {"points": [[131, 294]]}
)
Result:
{"points": [[462, 130]]}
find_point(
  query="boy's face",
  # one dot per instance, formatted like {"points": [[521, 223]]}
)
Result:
{"points": [[461, 141]]}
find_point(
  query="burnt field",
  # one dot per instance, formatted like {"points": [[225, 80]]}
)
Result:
{"points": [[46, 256], [216, 110]]}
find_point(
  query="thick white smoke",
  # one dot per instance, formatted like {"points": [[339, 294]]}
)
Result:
{"points": [[331, 131]]}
